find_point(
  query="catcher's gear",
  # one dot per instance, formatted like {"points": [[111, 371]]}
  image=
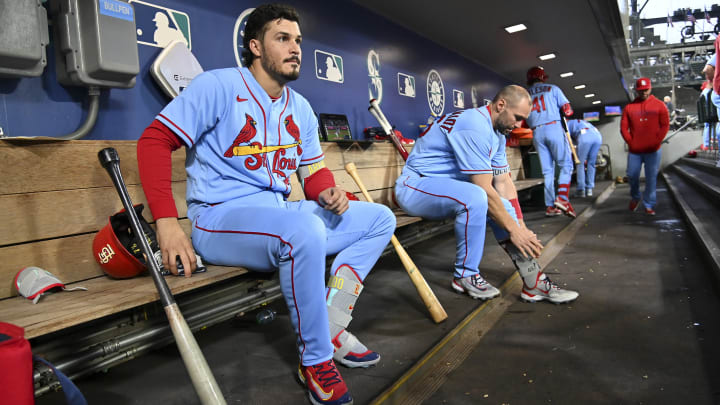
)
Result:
{"points": [[536, 73], [116, 250]]}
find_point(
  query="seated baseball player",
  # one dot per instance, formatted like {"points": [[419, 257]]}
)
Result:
{"points": [[246, 133], [458, 169]]}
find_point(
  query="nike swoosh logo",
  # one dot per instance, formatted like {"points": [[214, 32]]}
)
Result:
{"points": [[240, 100], [323, 395]]}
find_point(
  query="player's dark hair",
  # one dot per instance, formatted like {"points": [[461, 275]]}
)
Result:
{"points": [[256, 26]]}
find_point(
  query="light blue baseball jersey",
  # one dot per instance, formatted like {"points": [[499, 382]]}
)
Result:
{"points": [[458, 145], [547, 99], [580, 127], [239, 141]]}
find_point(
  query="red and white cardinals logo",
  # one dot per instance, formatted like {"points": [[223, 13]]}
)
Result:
{"points": [[294, 131], [247, 133]]}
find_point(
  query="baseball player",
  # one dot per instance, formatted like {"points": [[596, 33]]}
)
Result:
{"points": [[588, 140], [246, 133], [458, 168], [550, 140]]}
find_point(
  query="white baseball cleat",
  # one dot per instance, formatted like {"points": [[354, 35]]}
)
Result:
{"points": [[545, 289], [476, 287]]}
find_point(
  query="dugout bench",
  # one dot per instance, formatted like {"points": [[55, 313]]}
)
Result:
{"points": [[55, 196]]}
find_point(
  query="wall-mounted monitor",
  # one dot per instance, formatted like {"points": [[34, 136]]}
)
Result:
{"points": [[611, 110], [592, 116]]}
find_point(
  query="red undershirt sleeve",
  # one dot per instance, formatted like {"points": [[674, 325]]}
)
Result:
{"points": [[154, 152]]}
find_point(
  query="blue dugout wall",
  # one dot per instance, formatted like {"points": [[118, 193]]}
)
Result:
{"points": [[360, 55]]}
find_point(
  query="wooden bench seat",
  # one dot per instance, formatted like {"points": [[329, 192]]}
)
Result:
{"points": [[54, 197]]}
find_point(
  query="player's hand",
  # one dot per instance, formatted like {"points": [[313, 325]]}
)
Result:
{"points": [[334, 199], [173, 243], [526, 241]]}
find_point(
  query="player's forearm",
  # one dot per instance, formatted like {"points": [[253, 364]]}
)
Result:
{"points": [[497, 211], [154, 152], [496, 208]]}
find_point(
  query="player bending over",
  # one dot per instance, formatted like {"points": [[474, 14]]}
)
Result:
{"points": [[458, 169]]}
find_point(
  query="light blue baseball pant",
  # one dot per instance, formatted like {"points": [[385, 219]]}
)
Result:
{"points": [[262, 232], [441, 198], [651, 162], [706, 134], [552, 148], [588, 147]]}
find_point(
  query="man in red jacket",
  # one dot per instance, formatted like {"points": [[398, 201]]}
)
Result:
{"points": [[644, 124]]}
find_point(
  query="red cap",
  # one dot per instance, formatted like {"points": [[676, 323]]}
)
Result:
{"points": [[642, 83]]}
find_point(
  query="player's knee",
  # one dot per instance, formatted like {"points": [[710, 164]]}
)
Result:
{"points": [[386, 220], [477, 202], [308, 232]]}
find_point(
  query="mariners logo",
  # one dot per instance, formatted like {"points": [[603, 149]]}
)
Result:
{"points": [[406, 85], [239, 34], [375, 86], [329, 67], [159, 26], [435, 93]]}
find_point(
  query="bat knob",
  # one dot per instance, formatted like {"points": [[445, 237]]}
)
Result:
{"points": [[108, 156]]}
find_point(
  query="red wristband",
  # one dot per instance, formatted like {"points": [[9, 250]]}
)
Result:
{"points": [[318, 182], [516, 205]]}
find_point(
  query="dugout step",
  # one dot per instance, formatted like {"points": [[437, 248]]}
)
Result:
{"points": [[707, 164], [704, 181], [698, 203]]}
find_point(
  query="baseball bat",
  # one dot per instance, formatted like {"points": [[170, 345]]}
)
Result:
{"points": [[569, 139], [437, 312], [385, 125], [202, 378]]}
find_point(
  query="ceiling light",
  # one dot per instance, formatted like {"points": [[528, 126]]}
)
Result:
{"points": [[589, 95], [579, 87], [566, 74], [547, 56], [596, 102], [515, 28]]}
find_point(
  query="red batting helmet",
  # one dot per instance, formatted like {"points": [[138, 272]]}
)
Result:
{"points": [[536, 73], [115, 249]]}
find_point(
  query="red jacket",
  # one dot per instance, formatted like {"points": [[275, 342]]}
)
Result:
{"points": [[644, 124]]}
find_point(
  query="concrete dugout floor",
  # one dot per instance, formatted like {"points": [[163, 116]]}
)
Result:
{"points": [[643, 330]]}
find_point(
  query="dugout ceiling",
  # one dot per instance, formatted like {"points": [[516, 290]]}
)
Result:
{"points": [[587, 36]]}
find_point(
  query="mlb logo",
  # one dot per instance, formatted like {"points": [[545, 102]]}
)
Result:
{"points": [[158, 26], [329, 67], [458, 99], [406, 85]]}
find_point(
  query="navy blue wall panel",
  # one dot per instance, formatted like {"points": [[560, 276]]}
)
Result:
{"points": [[41, 107]]}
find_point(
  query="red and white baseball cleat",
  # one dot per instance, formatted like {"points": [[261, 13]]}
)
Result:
{"points": [[544, 289], [351, 353], [476, 287], [325, 384], [649, 211], [552, 212], [565, 207]]}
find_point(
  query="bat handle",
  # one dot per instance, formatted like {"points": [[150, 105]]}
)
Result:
{"points": [[569, 139], [108, 156], [380, 117]]}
